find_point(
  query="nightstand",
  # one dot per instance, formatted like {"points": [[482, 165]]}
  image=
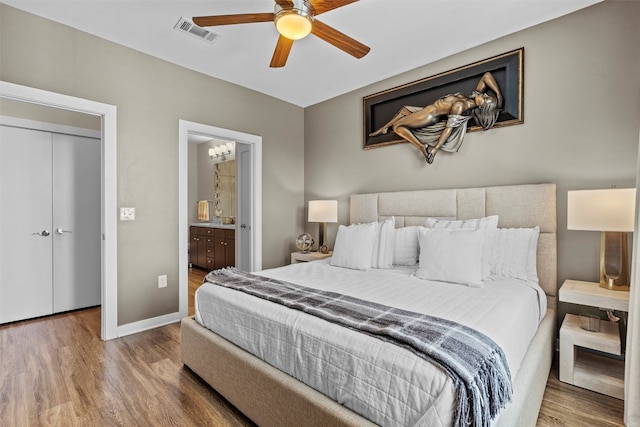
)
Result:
{"points": [[586, 369], [297, 257]]}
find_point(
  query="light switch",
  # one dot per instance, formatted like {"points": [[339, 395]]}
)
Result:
{"points": [[162, 281], [127, 214]]}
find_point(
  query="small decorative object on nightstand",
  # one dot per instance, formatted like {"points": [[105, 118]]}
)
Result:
{"points": [[582, 368], [297, 257], [304, 242]]}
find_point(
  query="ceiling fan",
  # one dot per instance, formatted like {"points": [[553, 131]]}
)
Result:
{"points": [[294, 20]]}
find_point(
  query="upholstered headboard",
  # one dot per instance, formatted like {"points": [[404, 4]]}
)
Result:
{"points": [[516, 206]]}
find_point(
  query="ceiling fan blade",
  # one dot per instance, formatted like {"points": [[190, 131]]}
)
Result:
{"points": [[280, 55], [322, 6], [339, 40], [210, 21]]}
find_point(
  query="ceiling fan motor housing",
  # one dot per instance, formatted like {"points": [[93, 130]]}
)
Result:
{"points": [[294, 22]]}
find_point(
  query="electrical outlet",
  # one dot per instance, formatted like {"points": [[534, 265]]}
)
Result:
{"points": [[162, 281], [127, 214]]}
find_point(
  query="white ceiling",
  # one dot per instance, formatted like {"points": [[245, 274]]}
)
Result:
{"points": [[402, 35]]}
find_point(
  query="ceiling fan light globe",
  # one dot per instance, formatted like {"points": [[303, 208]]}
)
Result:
{"points": [[293, 24]]}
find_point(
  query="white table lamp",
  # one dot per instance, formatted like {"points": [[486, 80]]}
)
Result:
{"points": [[612, 212], [323, 211]]}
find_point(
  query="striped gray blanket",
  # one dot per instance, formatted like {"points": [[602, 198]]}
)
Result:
{"points": [[476, 363]]}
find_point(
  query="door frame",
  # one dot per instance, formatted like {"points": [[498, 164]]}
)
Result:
{"points": [[109, 285], [255, 143]]}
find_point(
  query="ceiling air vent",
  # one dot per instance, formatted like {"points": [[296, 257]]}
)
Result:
{"points": [[189, 27]]}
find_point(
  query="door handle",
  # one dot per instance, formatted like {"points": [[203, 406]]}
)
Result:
{"points": [[43, 233], [60, 231]]}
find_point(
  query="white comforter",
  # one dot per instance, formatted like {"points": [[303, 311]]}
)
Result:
{"points": [[385, 383]]}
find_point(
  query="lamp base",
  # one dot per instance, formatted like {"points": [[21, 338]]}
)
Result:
{"points": [[613, 286], [322, 234], [614, 261]]}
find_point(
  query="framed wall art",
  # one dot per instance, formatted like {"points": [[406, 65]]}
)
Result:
{"points": [[505, 71]]}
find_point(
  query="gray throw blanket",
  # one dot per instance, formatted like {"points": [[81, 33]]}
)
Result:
{"points": [[476, 364]]}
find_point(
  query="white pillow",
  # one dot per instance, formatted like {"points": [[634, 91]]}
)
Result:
{"points": [[467, 224], [405, 245], [486, 223], [382, 256], [514, 252], [451, 255], [354, 245]]}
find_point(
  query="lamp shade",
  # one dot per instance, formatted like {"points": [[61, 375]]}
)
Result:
{"points": [[601, 210], [323, 211]]}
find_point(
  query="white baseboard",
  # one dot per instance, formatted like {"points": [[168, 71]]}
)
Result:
{"points": [[146, 324]]}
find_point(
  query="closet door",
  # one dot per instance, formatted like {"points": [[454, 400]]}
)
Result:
{"points": [[76, 222], [25, 224]]}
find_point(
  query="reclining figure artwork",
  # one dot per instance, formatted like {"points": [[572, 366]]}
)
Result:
{"points": [[442, 125]]}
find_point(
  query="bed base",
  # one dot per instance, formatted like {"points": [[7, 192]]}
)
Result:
{"points": [[266, 395], [269, 397]]}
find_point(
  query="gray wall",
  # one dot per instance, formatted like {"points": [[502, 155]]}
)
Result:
{"points": [[581, 124], [192, 184], [151, 96]]}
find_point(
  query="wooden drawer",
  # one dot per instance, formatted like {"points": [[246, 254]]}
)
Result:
{"points": [[224, 233], [202, 231]]}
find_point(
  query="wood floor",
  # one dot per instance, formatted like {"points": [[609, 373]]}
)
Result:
{"points": [[55, 371]]}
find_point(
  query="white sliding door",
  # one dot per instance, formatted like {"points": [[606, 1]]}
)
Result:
{"points": [[76, 222], [50, 213], [26, 270]]}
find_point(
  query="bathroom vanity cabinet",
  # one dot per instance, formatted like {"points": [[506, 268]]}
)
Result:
{"points": [[224, 248], [212, 248], [201, 253]]}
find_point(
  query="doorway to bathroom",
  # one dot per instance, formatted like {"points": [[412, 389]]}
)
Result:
{"points": [[248, 197]]}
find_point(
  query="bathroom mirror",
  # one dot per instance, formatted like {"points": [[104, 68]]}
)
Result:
{"points": [[212, 179]]}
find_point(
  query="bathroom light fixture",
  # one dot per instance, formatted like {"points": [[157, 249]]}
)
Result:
{"points": [[221, 152], [612, 212], [294, 22]]}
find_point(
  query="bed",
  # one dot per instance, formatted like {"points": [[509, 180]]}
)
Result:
{"points": [[271, 397]]}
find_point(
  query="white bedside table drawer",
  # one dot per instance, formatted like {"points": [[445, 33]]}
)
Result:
{"points": [[297, 257], [591, 294], [579, 366], [588, 370], [606, 341]]}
